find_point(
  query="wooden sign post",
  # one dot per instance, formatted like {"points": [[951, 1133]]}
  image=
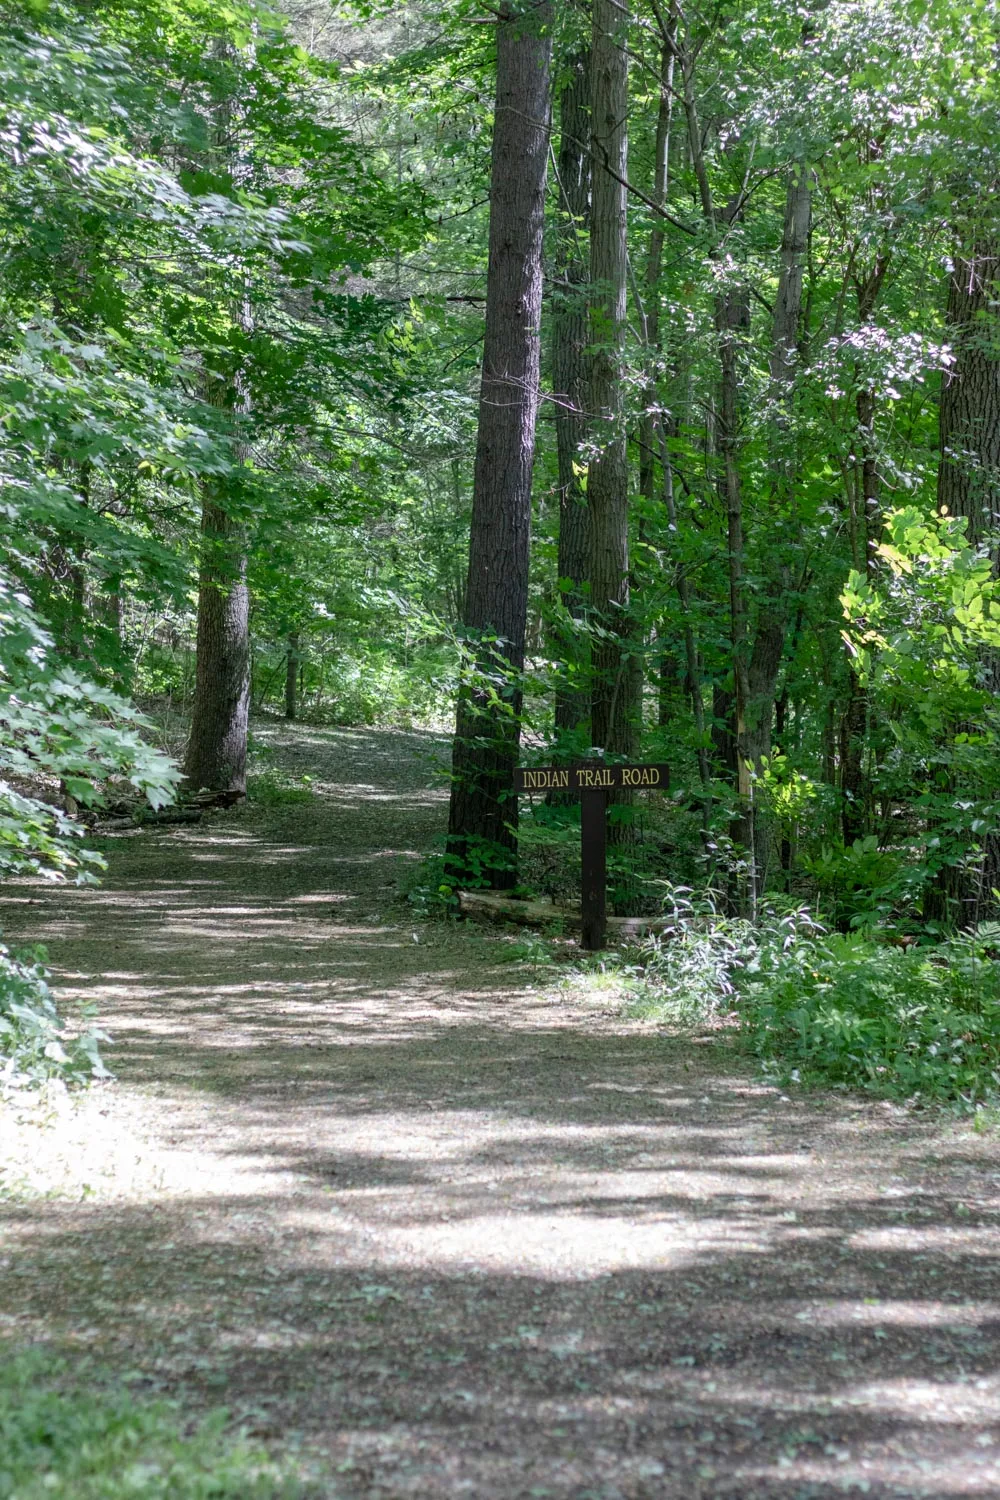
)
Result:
{"points": [[593, 782]]}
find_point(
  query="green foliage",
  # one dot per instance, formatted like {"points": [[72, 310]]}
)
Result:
{"points": [[687, 974], [899, 1022], [432, 890], [348, 680], [58, 725], [859, 885], [57, 1439], [273, 788], [923, 632], [820, 1008], [34, 1047]]}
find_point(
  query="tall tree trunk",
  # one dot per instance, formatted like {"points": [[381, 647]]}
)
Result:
{"points": [[766, 653], [969, 471], [216, 759], [656, 429], [732, 323], [614, 718], [482, 825], [570, 374], [969, 479], [650, 311], [757, 655]]}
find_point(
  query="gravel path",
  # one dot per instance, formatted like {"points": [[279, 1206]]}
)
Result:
{"points": [[394, 1200]]}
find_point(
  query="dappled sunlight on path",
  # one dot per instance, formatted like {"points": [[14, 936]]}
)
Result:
{"points": [[467, 1234]]}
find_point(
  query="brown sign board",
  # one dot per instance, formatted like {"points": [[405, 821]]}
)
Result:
{"points": [[593, 782], [596, 778]]}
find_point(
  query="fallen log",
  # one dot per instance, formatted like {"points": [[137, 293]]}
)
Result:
{"points": [[494, 906]]}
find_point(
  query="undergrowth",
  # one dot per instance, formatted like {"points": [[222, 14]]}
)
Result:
{"points": [[857, 1011], [273, 788], [94, 1445], [34, 1045]]}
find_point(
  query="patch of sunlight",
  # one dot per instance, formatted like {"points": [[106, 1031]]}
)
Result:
{"points": [[916, 1397], [929, 1314], [950, 1476], [972, 1241]]}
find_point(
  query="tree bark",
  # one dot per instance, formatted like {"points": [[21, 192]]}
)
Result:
{"points": [[614, 719], [570, 376], [969, 485], [757, 677], [482, 825], [969, 470], [772, 611], [216, 759], [217, 748], [655, 429]]}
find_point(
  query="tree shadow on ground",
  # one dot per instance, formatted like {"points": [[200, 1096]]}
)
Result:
{"points": [[470, 1238], [764, 1359]]}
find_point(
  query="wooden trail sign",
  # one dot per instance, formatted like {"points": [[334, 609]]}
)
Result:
{"points": [[593, 782]]}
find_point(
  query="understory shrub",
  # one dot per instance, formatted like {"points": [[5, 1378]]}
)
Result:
{"points": [[856, 1011], [923, 1021], [87, 1445], [34, 1047], [687, 973], [273, 788]]}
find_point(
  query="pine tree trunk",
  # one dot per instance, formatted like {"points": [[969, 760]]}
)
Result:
{"points": [[482, 825], [570, 374], [614, 718]]}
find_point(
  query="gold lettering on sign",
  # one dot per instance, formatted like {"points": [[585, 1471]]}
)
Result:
{"points": [[630, 777], [545, 779], [651, 776]]}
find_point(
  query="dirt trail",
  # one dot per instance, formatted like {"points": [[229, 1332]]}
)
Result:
{"points": [[372, 1188]]}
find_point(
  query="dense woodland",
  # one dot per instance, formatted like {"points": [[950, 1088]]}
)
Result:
{"points": [[570, 376]]}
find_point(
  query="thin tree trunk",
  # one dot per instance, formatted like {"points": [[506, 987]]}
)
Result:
{"points": [[613, 717], [482, 826], [765, 656], [655, 429], [570, 378], [757, 659], [292, 660], [650, 312], [865, 522], [732, 322]]}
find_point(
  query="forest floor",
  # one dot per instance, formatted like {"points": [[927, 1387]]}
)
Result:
{"points": [[460, 1229]]}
